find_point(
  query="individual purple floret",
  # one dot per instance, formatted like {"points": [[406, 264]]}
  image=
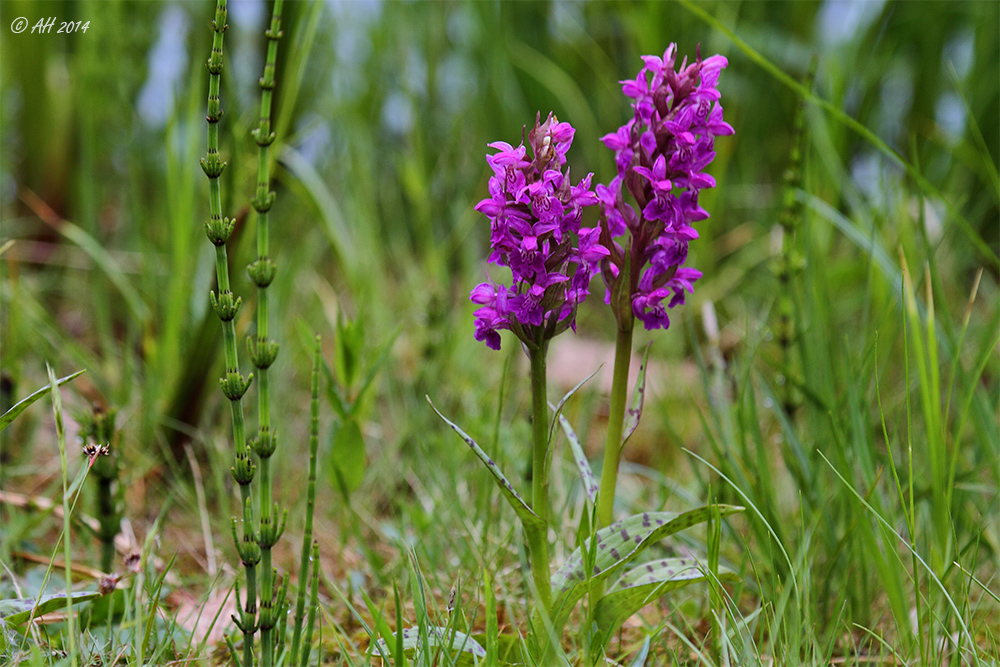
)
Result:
{"points": [[661, 154], [535, 212]]}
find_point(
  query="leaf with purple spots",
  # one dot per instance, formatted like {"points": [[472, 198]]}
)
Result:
{"points": [[528, 518], [446, 638], [635, 409], [582, 463], [616, 546], [640, 586]]}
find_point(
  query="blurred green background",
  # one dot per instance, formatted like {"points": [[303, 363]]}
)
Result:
{"points": [[383, 127], [384, 111]]}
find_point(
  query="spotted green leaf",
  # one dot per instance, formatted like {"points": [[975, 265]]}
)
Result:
{"points": [[445, 638], [616, 546], [590, 485], [18, 611], [528, 518], [640, 586], [635, 409]]}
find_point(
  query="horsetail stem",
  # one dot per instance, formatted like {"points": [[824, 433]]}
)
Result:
{"points": [[97, 430], [791, 262], [263, 351], [226, 305], [313, 606], [300, 600]]}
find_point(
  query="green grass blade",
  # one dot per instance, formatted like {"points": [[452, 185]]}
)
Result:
{"points": [[24, 403], [923, 563]]}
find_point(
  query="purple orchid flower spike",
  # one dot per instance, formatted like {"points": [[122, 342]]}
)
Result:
{"points": [[535, 213], [661, 155]]}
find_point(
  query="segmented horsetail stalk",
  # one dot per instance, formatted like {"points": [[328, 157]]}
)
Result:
{"points": [[97, 431], [226, 305], [791, 262], [307, 540], [313, 606], [263, 350]]}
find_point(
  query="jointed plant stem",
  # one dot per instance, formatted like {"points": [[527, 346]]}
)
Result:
{"points": [[264, 351], [300, 601], [313, 606], [791, 263], [226, 305], [616, 424]]}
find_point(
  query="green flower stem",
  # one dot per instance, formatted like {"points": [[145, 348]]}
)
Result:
{"points": [[616, 423], [538, 539], [265, 350], [226, 306]]}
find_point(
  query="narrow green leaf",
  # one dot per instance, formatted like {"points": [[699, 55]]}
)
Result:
{"points": [[617, 545], [312, 189], [557, 410], [381, 627], [640, 586], [372, 371], [104, 261], [23, 404], [590, 484], [333, 394], [18, 611], [524, 513], [635, 409], [492, 629], [347, 457], [508, 648], [398, 657], [640, 657]]}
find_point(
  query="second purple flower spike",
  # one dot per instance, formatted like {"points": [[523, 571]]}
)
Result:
{"points": [[661, 154]]}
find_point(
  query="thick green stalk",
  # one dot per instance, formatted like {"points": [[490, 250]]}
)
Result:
{"points": [[300, 602], [613, 444], [226, 305], [616, 424], [264, 351], [538, 539]]}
